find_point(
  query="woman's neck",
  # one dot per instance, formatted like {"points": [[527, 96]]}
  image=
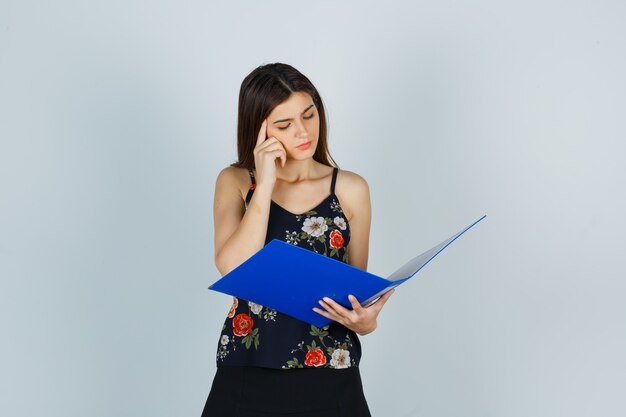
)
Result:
{"points": [[296, 171]]}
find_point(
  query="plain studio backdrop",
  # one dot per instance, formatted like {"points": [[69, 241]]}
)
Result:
{"points": [[116, 117]]}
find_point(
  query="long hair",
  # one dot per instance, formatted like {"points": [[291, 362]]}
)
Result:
{"points": [[261, 91]]}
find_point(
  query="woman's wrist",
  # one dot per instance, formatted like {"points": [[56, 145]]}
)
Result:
{"points": [[368, 331]]}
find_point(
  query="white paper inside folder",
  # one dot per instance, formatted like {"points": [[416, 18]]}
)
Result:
{"points": [[410, 268], [376, 296]]}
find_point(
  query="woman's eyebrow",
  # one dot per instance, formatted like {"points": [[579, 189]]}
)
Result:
{"points": [[286, 120]]}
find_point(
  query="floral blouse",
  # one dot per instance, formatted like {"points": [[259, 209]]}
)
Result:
{"points": [[255, 335]]}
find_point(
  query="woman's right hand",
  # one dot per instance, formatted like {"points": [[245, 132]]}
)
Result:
{"points": [[266, 151]]}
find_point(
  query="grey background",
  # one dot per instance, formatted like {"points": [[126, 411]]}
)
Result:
{"points": [[116, 116]]}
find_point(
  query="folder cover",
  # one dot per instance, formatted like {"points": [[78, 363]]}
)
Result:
{"points": [[292, 279]]}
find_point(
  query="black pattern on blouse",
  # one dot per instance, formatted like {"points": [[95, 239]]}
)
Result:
{"points": [[255, 335]]}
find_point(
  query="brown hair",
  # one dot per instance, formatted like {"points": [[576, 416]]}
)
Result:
{"points": [[261, 91]]}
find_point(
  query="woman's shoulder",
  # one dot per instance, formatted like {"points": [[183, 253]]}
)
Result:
{"points": [[234, 177], [233, 172], [352, 190], [350, 181]]}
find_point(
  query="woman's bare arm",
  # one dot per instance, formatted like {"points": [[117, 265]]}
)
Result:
{"points": [[239, 233], [355, 191]]}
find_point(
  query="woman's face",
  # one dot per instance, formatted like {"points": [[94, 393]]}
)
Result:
{"points": [[294, 122]]}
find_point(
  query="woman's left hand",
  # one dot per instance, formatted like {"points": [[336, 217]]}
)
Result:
{"points": [[361, 320]]}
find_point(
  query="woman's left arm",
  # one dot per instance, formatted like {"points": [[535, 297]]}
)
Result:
{"points": [[356, 195], [356, 202]]}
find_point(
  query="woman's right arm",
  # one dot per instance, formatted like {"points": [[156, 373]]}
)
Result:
{"points": [[240, 233]]}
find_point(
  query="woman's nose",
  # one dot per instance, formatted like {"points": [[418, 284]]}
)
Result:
{"points": [[301, 131]]}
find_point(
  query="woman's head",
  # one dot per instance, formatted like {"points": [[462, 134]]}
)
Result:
{"points": [[294, 111]]}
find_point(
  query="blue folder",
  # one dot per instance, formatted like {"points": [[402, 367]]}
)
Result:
{"points": [[292, 279]]}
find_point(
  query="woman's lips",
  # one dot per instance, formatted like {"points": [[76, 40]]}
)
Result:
{"points": [[304, 146]]}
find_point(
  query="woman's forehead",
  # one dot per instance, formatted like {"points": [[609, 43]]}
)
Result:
{"points": [[294, 105]]}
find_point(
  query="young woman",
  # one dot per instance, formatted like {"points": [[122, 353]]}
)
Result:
{"points": [[283, 186]]}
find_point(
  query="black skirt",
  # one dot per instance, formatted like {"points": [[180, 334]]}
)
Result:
{"points": [[249, 391]]}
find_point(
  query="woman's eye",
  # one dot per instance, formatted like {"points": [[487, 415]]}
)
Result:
{"points": [[307, 118]]}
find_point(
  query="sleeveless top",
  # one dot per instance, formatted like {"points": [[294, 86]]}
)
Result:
{"points": [[255, 335]]}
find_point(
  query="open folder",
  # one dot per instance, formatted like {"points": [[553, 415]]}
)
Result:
{"points": [[292, 279]]}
